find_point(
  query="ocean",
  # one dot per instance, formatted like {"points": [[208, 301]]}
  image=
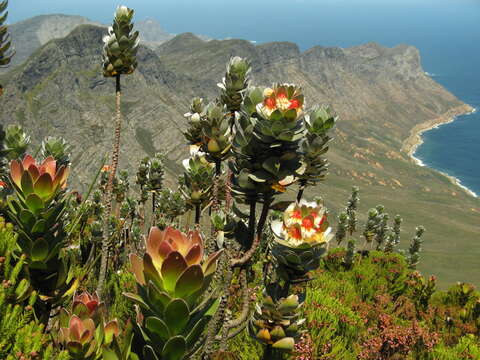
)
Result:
{"points": [[447, 32], [454, 148]]}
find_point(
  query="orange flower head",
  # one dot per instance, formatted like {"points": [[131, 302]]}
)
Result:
{"points": [[282, 98], [303, 223]]}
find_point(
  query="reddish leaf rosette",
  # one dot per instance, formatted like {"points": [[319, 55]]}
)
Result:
{"points": [[77, 337], [42, 179], [87, 305], [83, 332], [174, 262]]}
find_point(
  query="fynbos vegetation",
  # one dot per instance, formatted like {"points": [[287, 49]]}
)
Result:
{"points": [[233, 263]]}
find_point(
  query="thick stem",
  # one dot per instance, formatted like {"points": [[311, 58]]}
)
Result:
{"points": [[241, 321], [216, 180], [154, 207], [232, 121], [245, 304], [214, 324], [211, 241], [272, 354], [218, 167], [251, 220], [300, 191], [237, 331], [256, 241], [263, 215], [109, 189], [228, 191], [248, 255], [197, 214]]}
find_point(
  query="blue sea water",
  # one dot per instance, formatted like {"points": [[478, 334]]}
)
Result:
{"points": [[454, 148], [447, 32]]}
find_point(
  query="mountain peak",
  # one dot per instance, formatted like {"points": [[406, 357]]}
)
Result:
{"points": [[28, 35], [152, 32], [180, 42]]}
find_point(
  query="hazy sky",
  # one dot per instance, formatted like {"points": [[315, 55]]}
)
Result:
{"points": [[439, 28], [101, 10]]}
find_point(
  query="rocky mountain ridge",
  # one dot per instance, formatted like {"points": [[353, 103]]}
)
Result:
{"points": [[379, 93], [30, 34]]}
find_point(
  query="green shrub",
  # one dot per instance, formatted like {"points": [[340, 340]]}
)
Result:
{"points": [[20, 333], [467, 348], [119, 282], [246, 347], [380, 272], [333, 326]]}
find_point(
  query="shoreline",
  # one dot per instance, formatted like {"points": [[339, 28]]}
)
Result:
{"points": [[457, 182], [411, 144]]}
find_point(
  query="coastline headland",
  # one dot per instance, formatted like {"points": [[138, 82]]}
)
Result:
{"points": [[411, 144]]}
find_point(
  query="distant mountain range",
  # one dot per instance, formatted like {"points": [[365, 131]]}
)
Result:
{"points": [[380, 94], [32, 33]]}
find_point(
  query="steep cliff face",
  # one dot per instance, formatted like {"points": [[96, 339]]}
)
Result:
{"points": [[379, 93]]}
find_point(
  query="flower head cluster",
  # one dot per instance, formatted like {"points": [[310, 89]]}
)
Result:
{"points": [[282, 98], [120, 45], [198, 176], [303, 223]]}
